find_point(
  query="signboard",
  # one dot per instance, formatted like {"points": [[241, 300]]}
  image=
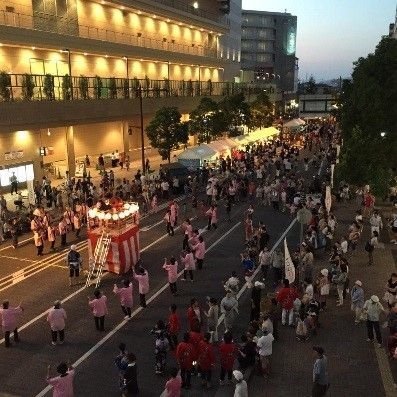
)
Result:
{"points": [[12, 155], [80, 169]]}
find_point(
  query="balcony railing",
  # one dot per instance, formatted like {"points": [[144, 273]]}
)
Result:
{"points": [[63, 88], [68, 26]]}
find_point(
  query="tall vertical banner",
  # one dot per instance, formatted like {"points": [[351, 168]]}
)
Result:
{"points": [[289, 265], [328, 198], [332, 174], [31, 195]]}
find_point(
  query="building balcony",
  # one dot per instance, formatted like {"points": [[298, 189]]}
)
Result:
{"points": [[28, 87], [124, 36]]}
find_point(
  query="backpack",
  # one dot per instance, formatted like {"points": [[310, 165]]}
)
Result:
{"points": [[368, 247]]}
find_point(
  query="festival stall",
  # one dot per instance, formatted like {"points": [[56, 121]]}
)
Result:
{"points": [[120, 221], [194, 157], [223, 146]]}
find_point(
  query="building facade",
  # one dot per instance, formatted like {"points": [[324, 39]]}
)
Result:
{"points": [[268, 42], [393, 28], [73, 71]]}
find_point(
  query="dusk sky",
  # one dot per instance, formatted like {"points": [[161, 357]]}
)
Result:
{"points": [[332, 34]]}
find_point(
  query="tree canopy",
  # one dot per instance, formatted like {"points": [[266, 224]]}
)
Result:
{"points": [[166, 132], [369, 119], [261, 112], [236, 112], [207, 121]]}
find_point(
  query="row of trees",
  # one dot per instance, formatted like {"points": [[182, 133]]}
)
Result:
{"points": [[368, 114], [210, 120]]}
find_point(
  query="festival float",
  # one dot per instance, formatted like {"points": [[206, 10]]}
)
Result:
{"points": [[117, 223]]}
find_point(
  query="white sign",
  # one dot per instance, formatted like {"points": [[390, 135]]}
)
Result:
{"points": [[289, 265], [80, 168], [328, 198]]}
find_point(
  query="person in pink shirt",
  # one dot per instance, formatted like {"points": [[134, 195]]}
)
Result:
{"points": [[174, 208], [99, 309], [56, 317], [62, 384], [125, 295], [172, 270], [169, 221], [174, 384], [188, 232], [199, 252], [212, 217], [8, 317], [142, 276], [189, 263]]}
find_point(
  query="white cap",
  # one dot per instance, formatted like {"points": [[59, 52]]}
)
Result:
{"points": [[238, 375], [375, 299], [324, 272], [358, 282], [259, 284], [73, 247]]}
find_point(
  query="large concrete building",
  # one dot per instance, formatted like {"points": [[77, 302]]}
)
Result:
{"points": [[175, 50], [268, 48]]}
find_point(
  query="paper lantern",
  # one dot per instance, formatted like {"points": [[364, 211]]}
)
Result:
{"points": [[100, 215], [115, 217], [108, 216], [121, 215], [126, 206]]}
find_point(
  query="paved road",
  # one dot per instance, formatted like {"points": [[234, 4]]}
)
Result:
{"points": [[97, 375]]}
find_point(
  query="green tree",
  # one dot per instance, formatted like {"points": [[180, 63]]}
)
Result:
{"points": [[207, 121], [368, 115], [311, 87], [261, 112], [166, 132], [236, 112]]}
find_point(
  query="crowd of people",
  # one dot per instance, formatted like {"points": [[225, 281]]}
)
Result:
{"points": [[270, 174]]}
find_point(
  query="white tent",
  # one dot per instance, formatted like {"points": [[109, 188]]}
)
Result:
{"points": [[201, 152], [263, 134], [292, 124], [194, 157]]}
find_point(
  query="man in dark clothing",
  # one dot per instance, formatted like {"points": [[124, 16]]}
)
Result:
{"points": [[320, 373], [131, 377]]}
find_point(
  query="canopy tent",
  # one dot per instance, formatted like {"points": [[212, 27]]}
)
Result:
{"points": [[292, 124], [241, 140], [219, 146], [263, 134], [193, 157]]}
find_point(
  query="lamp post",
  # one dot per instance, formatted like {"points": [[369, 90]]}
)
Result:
{"points": [[70, 71]]}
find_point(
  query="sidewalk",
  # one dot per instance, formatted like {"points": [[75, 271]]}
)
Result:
{"points": [[356, 367]]}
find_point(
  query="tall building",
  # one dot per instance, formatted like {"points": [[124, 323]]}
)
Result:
{"points": [[70, 72], [268, 48]]}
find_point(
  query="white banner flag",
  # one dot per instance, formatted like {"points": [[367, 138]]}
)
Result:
{"points": [[289, 266], [328, 198]]}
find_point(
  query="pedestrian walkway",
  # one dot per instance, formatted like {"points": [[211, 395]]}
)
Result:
{"points": [[356, 367]]}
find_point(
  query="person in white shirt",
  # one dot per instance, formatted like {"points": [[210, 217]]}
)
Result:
{"points": [[376, 222], [241, 388], [265, 349]]}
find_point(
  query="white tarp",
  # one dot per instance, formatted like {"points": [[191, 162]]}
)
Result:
{"points": [[263, 133], [292, 124], [201, 152]]}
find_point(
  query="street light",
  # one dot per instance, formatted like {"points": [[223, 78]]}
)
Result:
{"points": [[383, 134]]}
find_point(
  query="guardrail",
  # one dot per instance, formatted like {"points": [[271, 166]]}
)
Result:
{"points": [[65, 88], [70, 26]]}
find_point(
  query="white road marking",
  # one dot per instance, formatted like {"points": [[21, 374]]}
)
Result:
{"points": [[18, 259], [19, 242], [147, 228], [136, 311]]}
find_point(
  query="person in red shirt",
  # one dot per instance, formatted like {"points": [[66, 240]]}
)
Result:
{"points": [[228, 353], [184, 356], [174, 327], [206, 359], [195, 337], [194, 315], [286, 297]]}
